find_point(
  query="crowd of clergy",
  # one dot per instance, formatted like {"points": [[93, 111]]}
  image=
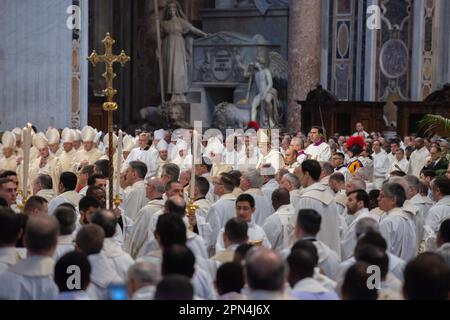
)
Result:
{"points": [[247, 216]]}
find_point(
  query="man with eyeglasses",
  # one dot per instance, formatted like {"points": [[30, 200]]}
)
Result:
{"points": [[8, 191], [397, 225]]}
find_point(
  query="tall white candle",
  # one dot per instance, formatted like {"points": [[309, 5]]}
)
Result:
{"points": [[26, 157], [118, 162], [194, 155]]}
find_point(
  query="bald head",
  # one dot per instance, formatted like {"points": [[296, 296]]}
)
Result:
{"points": [[175, 205], [41, 235], [155, 187], [265, 270], [365, 225], [355, 184], [419, 143], [106, 219], [143, 274], [280, 197], [90, 239], [401, 181]]}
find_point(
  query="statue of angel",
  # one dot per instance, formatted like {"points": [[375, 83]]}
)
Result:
{"points": [[266, 100]]}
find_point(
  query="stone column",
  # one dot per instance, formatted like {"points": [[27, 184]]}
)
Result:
{"points": [[304, 55]]}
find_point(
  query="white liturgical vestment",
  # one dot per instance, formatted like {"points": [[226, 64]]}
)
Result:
{"points": [[135, 200], [263, 207], [348, 242], [120, 260], [399, 231], [280, 227], [29, 279], [255, 233], [319, 198], [139, 235], [417, 161], [319, 152]]}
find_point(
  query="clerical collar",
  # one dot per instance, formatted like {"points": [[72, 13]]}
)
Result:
{"points": [[201, 198], [340, 167], [318, 143], [145, 149], [301, 152], [313, 239], [160, 198]]}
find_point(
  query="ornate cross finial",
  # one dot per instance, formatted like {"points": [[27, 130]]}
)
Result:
{"points": [[108, 58]]}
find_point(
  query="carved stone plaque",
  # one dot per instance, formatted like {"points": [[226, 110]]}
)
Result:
{"points": [[222, 64]]}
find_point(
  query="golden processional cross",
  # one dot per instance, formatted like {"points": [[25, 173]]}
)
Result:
{"points": [[109, 59]]}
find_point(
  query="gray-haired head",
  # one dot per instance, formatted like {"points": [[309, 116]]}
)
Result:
{"points": [[413, 183], [144, 274], [395, 190], [401, 181], [366, 225], [355, 184], [296, 141], [268, 170], [157, 184], [254, 177], [293, 179]]}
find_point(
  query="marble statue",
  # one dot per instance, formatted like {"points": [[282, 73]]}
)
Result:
{"points": [[265, 102], [174, 27]]}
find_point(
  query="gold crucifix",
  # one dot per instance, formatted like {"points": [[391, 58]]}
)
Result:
{"points": [[110, 106]]}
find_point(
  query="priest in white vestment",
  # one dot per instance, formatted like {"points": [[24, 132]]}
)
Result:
{"points": [[381, 165], [168, 226], [302, 278], [421, 204], [258, 264], [43, 187], [67, 155], [45, 163], [280, 226], [89, 240], [318, 150], [120, 260], [357, 206], [400, 163], [67, 185], [162, 148], [397, 225], [223, 209], [439, 212], [307, 227], [139, 235], [318, 197], [10, 231], [268, 152], [290, 182], [418, 159], [8, 160], [270, 184], [136, 198], [88, 154], [54, 140], [235, 234], [32, 278], [245, 209], [251, 183]]}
